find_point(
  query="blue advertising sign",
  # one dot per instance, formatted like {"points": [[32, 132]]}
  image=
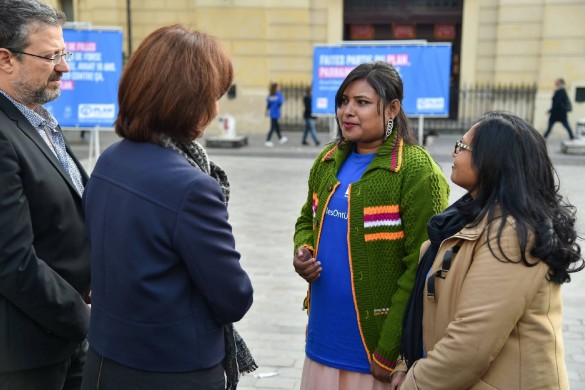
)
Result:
{"points": [[89, 91], [425, 70]]}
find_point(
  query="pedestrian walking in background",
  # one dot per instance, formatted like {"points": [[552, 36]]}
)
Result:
{"points": [[561, 105], [358, 236], [44, 253], [274, 102], [309, 118], [485, 312], [166, 278]]}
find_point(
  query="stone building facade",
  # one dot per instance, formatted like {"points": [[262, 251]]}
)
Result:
{"points": [[501, 41]]}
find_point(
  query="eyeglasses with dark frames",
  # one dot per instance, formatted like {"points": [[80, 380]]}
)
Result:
{"points": [[459, 146], [55, 58]]}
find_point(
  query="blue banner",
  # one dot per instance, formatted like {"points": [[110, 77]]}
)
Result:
{"points": [[425, 70], [89, 91]]}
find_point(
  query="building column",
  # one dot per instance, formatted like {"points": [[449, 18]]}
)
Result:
{"points": [[469, 40], [334, 21]]}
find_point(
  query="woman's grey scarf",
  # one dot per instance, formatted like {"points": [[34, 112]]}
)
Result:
{"points": [[238, 359], [197, 156]]}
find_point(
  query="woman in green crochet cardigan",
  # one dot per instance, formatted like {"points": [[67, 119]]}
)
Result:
{"points": [[358, 236]]}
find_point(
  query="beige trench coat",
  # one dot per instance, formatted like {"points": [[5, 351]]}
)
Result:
{"points": [[491, 324]]}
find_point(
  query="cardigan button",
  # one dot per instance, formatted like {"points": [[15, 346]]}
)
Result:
{"points": [[330, 188]]}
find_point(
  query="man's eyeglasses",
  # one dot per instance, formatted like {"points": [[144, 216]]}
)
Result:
{"points": [[55, 58], [459, 146]]}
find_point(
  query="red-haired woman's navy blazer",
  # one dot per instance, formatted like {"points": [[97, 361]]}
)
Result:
{"points": [[165, 272]]}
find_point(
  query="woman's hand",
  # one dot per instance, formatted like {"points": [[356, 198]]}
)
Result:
{"points": [[397, 379], [380, 373], [306, 265]]}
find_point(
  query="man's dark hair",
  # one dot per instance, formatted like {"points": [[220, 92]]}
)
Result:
{"points": [[19, 19]]}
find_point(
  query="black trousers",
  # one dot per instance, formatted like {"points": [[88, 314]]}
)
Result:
{"points": [[104, 374], [65, 375], [274, 127], [564, 122]]}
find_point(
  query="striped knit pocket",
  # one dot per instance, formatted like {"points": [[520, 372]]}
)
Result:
{"points": [[383, 223]]}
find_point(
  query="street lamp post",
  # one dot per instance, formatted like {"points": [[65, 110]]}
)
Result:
{"points": [[129, 23]]}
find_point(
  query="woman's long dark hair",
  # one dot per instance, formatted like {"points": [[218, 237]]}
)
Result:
{"points": [[386, 81], [515, 177]]}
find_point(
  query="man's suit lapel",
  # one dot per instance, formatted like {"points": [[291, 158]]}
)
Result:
{"points": [[29, 131]]}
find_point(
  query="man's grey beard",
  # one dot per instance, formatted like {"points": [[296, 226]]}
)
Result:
{"points": [[36, 97]]}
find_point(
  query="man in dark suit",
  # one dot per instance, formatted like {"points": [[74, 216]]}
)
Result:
{"points": [[44, 253], [561, 105]]}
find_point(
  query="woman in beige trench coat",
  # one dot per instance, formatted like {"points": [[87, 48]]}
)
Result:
{"points": [[487, 311]]}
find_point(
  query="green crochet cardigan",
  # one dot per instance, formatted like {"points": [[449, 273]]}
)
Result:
{"points": [[389, 208]]}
